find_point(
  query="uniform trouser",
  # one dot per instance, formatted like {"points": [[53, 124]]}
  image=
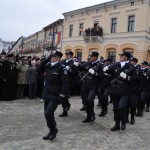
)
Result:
{"points": [[82, 94], [20, 90], [131, 107], [40, 86], [65, 103], [89, 96], [0, 87], [119, 107], [144, 98], [49, 109], [32, 90], [104, 100]]}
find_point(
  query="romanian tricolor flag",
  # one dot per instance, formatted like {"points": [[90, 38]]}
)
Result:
{"points": [[59, 37]]}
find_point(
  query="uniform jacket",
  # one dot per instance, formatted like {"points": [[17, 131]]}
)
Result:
{"points": [[31, 75], [91, 81], [119, 85], [56, 80]]}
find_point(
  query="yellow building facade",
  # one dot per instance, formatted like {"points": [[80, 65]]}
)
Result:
{"points": [[125, 27]]}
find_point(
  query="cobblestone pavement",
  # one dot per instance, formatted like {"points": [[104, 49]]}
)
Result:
{"points": [[22, 126]]}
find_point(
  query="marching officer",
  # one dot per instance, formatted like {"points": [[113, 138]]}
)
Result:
{"points": [[145, 88], [135, 90], [104, 84], [55, 89], [68, 63], [122, 75], [90, 86]]}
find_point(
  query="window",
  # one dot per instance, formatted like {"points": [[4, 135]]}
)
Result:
{"points": [[71, 16], [80, 28], [129, 50], [131, 23], [112, 54], [114, 25], [97, 10], [82, 14], [70, 30], [132, 3], [96, 24], [79, 55], [115, 6]]}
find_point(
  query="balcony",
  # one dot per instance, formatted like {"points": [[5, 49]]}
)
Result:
{"points": [[93, 34], [50, 46]]}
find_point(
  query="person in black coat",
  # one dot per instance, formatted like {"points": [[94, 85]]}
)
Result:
{"points": [[90, 81], [9, 78], [55, 89], [122, 73], [135, 93], [72, 73], [32, 80]]}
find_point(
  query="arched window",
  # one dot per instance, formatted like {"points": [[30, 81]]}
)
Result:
{"points": [[111, 53], [93, 50], [68, 50], [148, 55], [131, 51], [79, 54]]}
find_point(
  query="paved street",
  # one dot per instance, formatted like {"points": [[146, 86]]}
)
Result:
{"points": [[22, 126]]}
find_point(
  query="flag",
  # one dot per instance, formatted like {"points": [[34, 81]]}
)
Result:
{"points": [[59, 37]]}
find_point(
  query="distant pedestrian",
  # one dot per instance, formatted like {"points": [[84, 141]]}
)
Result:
{"points": [[32, 80]]}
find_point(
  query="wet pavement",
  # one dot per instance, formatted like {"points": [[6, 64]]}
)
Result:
{"points": [[22, 126]]}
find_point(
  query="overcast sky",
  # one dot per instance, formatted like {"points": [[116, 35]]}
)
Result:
{"points": [[25, 17]]}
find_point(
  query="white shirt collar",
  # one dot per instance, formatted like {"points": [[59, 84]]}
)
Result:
{"points": [[67, 60], [123, 63], [53, 63]]}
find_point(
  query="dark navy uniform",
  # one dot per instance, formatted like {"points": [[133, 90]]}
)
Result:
{"points": [[55, 86], [72, 73], [143, 74], [120, 89], [90, 87]]}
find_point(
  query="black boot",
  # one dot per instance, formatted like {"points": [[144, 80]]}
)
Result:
{"points": [[63, 114], [139, 114], [53, 133], [93, 117], [116, 127], [123, 125], [102, 114], [46, 137], [147, 109], [132, 120], [87, 119], [68, 107], [83, 108]]}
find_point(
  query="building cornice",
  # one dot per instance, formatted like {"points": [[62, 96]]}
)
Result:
{"points": [[100, 6]]}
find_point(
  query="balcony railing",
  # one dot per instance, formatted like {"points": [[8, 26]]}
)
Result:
{"points": [[93, 34]]}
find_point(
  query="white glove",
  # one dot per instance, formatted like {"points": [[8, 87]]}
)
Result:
{"points": [[67, 67], [105, 68], [123, 75], [76, 63], [91, 71]]}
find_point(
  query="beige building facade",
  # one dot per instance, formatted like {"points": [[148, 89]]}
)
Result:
{"points": [[42, 42], [124, 25]]}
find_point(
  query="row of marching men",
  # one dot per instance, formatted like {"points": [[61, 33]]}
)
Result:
{"points": [[125, 82], [18, 77]]}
